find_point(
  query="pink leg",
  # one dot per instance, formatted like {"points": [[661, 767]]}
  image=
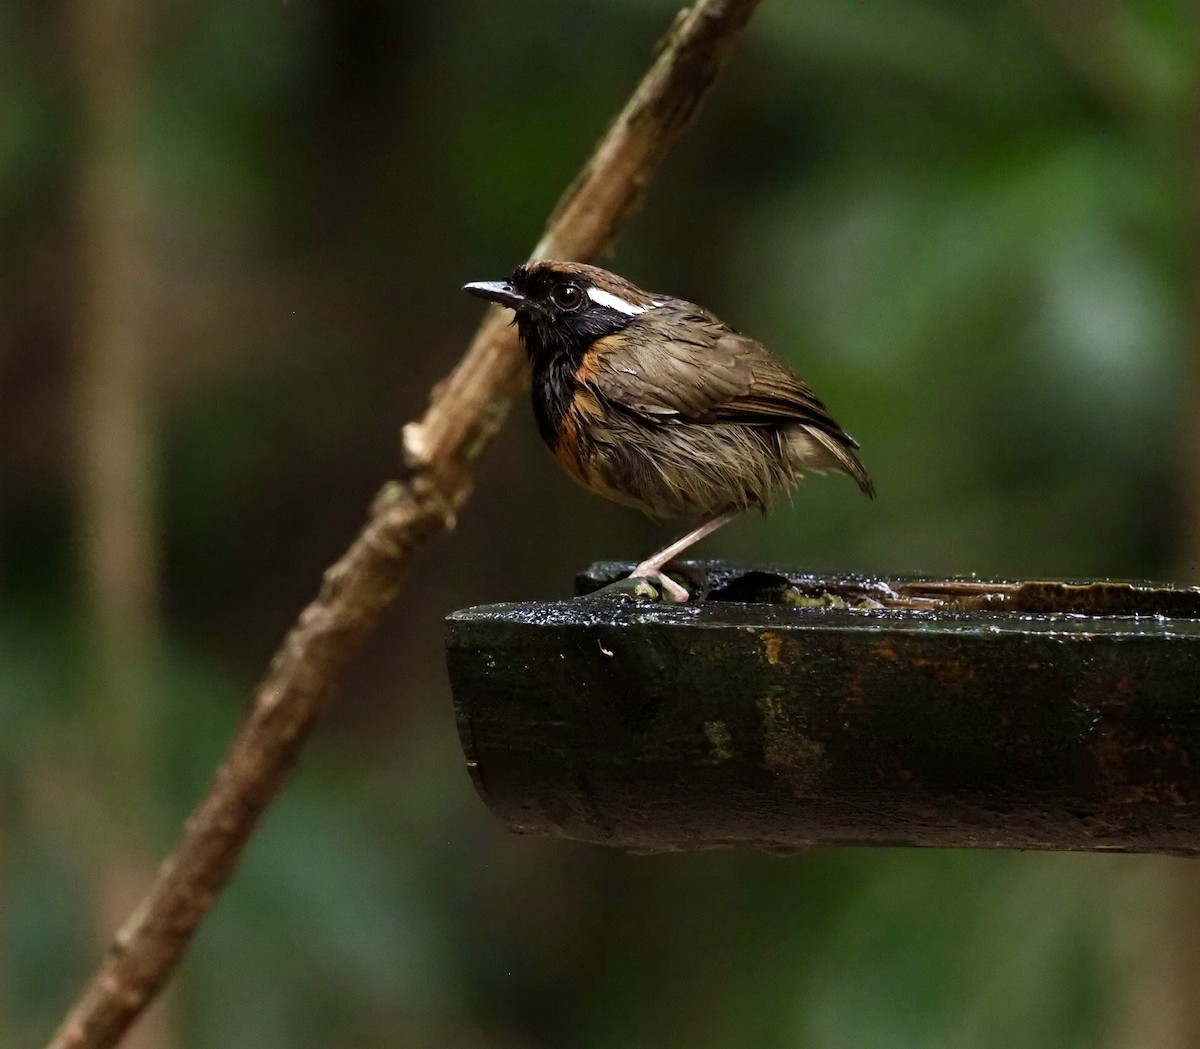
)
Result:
{"points": [[652, 567]]}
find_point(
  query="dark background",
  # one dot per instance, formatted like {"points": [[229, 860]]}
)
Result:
{"points": [[231, 241]]}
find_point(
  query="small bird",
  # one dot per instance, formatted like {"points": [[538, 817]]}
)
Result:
{"points": [[654, 403]]}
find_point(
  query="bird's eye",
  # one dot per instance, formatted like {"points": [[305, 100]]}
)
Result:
{"points": [[567, 296]]}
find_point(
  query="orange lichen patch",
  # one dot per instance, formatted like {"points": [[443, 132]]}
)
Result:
{"points": [[772, 643]]}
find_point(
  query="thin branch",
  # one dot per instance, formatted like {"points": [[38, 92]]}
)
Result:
{"points": [[465, 413]]}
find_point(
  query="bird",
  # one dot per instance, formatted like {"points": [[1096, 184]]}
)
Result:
{"points": [[654, 403]]}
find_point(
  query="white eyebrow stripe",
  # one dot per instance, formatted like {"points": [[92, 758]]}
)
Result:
{"points": [[614, 302]]}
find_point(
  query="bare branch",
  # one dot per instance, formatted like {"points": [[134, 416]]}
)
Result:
{"points": [[466, 412]]}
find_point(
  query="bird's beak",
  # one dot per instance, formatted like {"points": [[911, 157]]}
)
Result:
{"points": [[499, 291]]}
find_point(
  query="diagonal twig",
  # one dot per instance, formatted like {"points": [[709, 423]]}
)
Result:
{"points": [[466, 411]]}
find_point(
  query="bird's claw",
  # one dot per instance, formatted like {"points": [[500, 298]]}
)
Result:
{"points": [[670, 592]]}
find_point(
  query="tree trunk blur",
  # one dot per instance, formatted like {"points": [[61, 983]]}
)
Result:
{"points": [[1186, 926], [118, 542], [1190, 479], [1158, 928]]}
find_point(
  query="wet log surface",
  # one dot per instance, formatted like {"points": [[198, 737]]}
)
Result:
{"points": [[787, 710]]}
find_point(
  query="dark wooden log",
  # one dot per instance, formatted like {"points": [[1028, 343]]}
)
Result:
{"points": [[786, 711]]}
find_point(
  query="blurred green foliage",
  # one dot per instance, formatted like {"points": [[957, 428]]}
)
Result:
{"points": [[969, 226]]}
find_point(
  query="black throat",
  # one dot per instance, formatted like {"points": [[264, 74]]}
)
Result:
{"points": [[556, 347]]}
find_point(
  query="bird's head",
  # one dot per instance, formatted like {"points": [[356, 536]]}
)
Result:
{"points": [[563, 307]]}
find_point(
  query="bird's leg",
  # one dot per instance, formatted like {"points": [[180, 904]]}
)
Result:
{"points": [[652, 567]]}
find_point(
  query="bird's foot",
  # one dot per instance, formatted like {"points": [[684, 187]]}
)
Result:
{"points": [[648, 582], [648, 585], [671, 592]]}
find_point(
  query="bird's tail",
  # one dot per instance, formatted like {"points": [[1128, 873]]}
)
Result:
{"points": [[841, 452]]}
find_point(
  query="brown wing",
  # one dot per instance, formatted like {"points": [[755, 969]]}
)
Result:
{"points": [[680, 362]]}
